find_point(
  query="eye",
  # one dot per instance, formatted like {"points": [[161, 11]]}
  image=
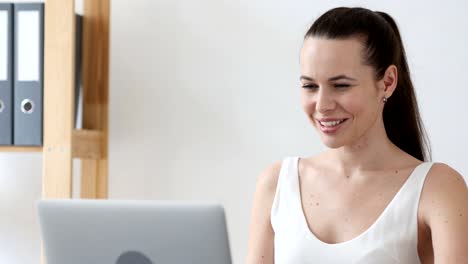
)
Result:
{"points": [[342, 85], [310, 86]]}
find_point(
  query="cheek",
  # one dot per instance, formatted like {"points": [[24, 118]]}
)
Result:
{"points": [[304, 101], [307, 102], [359, 100], [362, 108], [354, 107]]}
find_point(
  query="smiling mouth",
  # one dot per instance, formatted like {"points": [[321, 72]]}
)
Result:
{"points": [[330, 124]]}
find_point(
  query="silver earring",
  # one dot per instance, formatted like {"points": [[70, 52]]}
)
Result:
{"points": [[385, 99]]}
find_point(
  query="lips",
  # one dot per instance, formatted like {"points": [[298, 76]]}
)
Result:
{"points": [[331, 125]]}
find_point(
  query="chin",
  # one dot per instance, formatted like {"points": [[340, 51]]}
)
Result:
{"points": [[332, 143]]}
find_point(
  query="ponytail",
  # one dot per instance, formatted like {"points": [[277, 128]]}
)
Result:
{"points": [[407, 133]]}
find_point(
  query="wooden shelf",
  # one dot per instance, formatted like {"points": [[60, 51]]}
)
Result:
{"points": [[61, 142], [87, 144], [20, 149]]}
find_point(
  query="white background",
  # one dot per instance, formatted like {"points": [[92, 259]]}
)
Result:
{"points": [[205, 94]]}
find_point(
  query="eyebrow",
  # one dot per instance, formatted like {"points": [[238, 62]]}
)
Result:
{"points": [[335, 78]]}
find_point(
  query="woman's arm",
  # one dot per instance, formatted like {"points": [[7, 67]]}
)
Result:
{"points": [[260, 246], [447, 216]]}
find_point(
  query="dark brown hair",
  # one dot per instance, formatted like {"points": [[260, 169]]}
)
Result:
{"points": [[383, 47]]}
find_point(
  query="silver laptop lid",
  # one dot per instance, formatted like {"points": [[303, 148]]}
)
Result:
{"points": [[137, 232]]}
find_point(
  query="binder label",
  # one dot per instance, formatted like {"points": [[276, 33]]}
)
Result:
{"points": [[3, 45], [28, 45]]}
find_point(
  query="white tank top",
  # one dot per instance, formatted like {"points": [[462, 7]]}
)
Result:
{"points": [[392, 238]]}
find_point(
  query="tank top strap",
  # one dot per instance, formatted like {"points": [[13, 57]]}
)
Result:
{"points": [[287, 189], [397, 227], [405, 204], [421, 177]]}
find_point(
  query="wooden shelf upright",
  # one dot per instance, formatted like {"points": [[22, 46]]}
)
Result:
{"points": [[62, 142]]}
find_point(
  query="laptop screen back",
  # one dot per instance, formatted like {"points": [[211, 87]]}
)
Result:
{"points": [[123, 232]]}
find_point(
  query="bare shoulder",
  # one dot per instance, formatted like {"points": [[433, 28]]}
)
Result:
{"points": [[445, 197], [444, 172], [442, 181], [443, 185], [261, 235], [268, 178]]}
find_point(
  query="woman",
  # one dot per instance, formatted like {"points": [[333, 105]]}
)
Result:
{"points": [[372, 197]]}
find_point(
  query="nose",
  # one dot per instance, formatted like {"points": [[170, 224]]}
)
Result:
{"points": [[325, 101]]}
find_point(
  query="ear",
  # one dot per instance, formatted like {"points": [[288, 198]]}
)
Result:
{"points": [[389, 81]]}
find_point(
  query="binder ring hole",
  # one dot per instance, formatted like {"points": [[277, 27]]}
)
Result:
{"points": [[2, 106], [27, 106]]}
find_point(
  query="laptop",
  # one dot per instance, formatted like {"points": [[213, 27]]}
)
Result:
{"points": [[77, 231]]}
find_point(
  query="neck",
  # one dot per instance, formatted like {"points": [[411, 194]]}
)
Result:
{"points": [[373, 151]]}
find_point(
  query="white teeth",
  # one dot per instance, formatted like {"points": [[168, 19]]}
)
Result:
{"points": [[331, 123]]}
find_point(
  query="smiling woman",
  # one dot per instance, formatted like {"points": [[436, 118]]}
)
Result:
{"points": [[339, 93], [374, 196]]}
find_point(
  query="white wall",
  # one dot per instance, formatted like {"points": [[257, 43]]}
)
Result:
{"points": [[205, 94]]}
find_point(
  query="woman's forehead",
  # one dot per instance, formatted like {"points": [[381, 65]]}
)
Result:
{"points": [[323, 56]]}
